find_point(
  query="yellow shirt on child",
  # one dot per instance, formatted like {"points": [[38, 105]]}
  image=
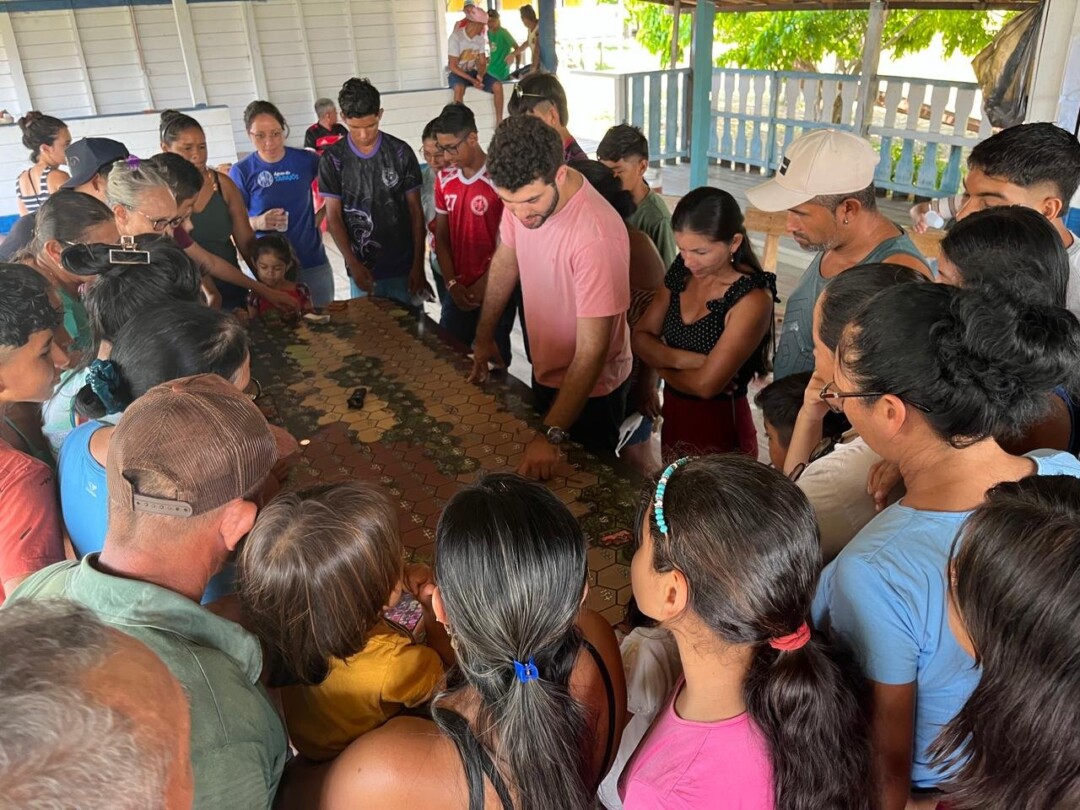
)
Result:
{"points": [[361, 693]]}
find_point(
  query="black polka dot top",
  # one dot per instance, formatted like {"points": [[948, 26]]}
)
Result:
{"points": [[701, 336]]}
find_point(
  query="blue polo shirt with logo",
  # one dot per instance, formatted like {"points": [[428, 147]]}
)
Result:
{"points": [[285, 184]]}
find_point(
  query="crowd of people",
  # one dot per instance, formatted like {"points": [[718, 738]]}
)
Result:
{"points": [[882, 617]]}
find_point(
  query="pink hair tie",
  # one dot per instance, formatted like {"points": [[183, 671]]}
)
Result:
{"points": [[795, 641]]}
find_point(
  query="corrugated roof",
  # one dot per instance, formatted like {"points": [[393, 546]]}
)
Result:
{"points": [[725, 6]]}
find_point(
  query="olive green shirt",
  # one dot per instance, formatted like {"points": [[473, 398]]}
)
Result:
{"points": [[238, 743], [653, 217]]}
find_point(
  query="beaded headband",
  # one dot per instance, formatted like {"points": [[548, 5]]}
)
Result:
{"points": [[658, 504]]}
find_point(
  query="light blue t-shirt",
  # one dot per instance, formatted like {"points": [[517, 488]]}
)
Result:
{"points": [[84, 498], [885, 596], [84, 493]]}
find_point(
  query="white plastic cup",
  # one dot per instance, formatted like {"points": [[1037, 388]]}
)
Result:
{"points": [[284, 226], [933, 219]]}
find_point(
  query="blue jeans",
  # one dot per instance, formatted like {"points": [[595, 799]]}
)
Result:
{"points": [[320, 280], [489, 81], [396, 288]]}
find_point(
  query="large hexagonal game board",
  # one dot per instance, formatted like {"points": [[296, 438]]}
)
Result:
{"points": [[424, 431]]}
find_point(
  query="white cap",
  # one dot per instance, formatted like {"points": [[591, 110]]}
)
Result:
{"points": [[825, 161]]}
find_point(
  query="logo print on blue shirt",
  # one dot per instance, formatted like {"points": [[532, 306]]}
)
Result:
{"points": [[265, 179], [390, 177]]}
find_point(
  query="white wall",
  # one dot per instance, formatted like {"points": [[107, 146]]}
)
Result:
{"points": [[108, 42], [8, 99], [225, 59], [138, 131], [159, 44], [1055, 92], [107, 70], [405, 115], [55, 77], [124, 59]]}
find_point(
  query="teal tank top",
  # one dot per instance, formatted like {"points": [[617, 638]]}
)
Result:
{"points": [[795, 351]]}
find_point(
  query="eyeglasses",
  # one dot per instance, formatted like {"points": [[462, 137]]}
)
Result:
{"points": [[253, 390], [159, 224], [276, 135], [452, 149], [834, 399]]}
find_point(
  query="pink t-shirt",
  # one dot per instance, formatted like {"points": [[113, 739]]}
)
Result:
{"points": [[685, 765], [575, 265], [30, 536]]}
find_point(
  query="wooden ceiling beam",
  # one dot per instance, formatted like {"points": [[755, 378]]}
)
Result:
{"points": [[734, 6]]}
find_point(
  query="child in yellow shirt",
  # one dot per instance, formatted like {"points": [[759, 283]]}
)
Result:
{"points": [[315, 576]]}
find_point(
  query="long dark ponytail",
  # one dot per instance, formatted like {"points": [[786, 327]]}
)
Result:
{"points": [[511, 567], [745, 537]]}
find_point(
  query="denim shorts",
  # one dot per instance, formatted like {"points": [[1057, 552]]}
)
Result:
{"points": [[489, 81]]}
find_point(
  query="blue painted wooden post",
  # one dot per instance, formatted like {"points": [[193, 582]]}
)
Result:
{"points": [[637, 103], [701, 105], [655, 110], [672, 125], [546, 14]]}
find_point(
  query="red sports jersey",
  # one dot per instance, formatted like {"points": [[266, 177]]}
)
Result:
{"points": [[475, 211]]}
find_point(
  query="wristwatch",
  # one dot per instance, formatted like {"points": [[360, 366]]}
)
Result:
{"points": [[451, 283], [556, 435]]}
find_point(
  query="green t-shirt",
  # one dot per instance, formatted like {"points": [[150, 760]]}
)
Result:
{"points": [[501, 42], [653, 217], [238, 744]]}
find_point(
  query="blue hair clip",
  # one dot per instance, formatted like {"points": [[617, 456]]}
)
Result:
{"points": [[528, 671], [104, 379], [133, 162], [658, 504]]}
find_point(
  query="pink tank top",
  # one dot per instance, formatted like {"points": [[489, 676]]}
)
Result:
{"points": [[686, 765]]}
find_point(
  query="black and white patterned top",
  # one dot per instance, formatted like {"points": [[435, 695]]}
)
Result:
{"points": [[701, 336]]}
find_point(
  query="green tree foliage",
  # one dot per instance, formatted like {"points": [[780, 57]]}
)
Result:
{"points": [[653, 22], [803, 40]]}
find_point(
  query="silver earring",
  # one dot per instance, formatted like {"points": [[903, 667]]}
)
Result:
{"points": [[845, 222]]}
